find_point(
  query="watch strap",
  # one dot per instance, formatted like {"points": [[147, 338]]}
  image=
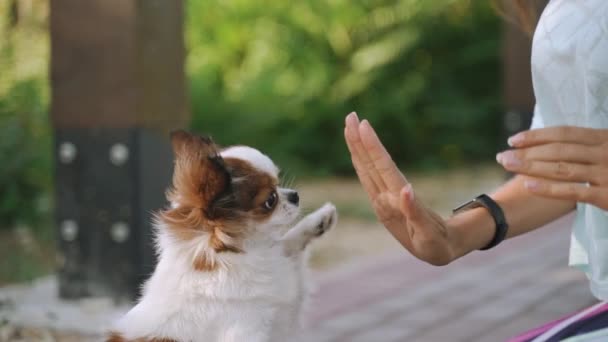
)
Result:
{"points": [[497, 214]]}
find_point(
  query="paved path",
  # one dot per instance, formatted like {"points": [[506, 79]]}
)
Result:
{"points": [[486, 296]]}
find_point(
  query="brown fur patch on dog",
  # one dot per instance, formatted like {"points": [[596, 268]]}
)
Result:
{"points": [[199, 179], [213, 196], [204, 264], [116, 337], [219, 242], [222, 242], [252, 188], [199, 175]]}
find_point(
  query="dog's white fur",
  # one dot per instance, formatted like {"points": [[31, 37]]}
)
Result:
{"points": [[257, 295]]}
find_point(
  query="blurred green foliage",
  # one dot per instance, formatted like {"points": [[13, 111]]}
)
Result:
{"points": [[282, 75], [25, 144]]}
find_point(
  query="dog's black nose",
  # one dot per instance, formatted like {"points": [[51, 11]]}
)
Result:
{"points": [[293, 197]]}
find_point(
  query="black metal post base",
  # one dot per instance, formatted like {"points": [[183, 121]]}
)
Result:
{"points": [[108, 183]]}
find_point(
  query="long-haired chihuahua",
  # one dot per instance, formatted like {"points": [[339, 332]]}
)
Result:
{"points": [[231, 253]]}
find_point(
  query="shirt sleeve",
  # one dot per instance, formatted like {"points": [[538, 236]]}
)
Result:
{"points": [[537, 119]]}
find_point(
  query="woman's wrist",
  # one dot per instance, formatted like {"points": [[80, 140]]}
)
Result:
{"points": [[470, 230], [474, 229]]}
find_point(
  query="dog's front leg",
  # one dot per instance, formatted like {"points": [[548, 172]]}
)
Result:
{"points": [[311, 226], [256, 331]]}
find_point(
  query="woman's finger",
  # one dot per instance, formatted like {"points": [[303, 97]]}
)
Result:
{"points": [[595, 195], [559, 170], [576, 153], [381, 159], [364, 177], [356, 148], [407, 203], [563, 134]]}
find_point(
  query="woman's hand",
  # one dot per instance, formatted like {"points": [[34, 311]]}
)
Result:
{"points": [[565, 162], [418, 229]]}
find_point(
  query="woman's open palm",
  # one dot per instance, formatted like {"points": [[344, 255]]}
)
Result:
{"points": [[418, 229]]}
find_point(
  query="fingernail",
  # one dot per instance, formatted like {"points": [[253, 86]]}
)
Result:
{"points": [[353, 115], [531, 184], [349, 118], [499, 158], [410, 192], [509, 159], [515, 140]]}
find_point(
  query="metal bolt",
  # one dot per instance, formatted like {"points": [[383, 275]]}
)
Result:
{"points": [[120, 232], [69, 230], [119, 154], [67, 152]]}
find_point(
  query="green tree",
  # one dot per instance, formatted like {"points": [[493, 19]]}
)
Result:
{"points": [[282, 75], [25, 171]]}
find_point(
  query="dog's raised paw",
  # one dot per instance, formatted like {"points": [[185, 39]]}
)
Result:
{"points": [[328, 218]]}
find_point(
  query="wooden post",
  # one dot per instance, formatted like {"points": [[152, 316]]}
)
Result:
{"points": [[118, 88]]}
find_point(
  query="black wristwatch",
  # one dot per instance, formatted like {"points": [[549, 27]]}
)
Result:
{"points": [[498, 215]]}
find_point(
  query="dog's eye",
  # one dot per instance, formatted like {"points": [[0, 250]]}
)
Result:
{"points": [[271, 201]]}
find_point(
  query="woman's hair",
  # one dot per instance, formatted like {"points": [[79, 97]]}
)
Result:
{"points": [[522, 13], [527, 15]]}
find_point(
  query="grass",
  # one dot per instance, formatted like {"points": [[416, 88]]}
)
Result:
{"points": [[26, 254]]}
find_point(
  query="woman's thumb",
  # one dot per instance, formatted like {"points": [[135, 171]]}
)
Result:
{"points": [[409, 207]]}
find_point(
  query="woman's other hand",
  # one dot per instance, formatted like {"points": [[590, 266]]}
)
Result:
{"points": [[567, 162]]}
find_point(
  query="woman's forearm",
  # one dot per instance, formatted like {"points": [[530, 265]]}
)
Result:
{"points": [[524, 212]]}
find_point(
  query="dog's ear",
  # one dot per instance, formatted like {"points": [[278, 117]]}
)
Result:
{"points": [[200, 175], [185, 143]]}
